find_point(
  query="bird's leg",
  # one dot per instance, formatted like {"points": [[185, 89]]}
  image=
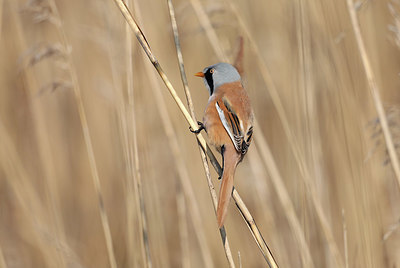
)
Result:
{"points": [[197, 131]]}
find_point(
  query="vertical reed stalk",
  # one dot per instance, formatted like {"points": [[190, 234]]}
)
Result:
{"points": [[132, 203], [138, 187], [345, 245], [133, 196]]}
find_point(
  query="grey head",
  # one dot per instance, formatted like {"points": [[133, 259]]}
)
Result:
{"points": [[218, 74]]}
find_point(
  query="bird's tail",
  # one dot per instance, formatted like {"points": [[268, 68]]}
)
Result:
{"points": [[231, 159]]}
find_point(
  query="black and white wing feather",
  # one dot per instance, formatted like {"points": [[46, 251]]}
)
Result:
{"points": [[240, 137]]}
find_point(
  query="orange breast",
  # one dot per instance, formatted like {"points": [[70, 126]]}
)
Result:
{"points": [[216, 132]]}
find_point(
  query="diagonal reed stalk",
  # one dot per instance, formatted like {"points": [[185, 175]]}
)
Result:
{"points": [[143, 42], [88, 141], [374, 90], [224, 237]]}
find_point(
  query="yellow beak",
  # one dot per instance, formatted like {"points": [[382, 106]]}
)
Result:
{"points": [[199, 74]]}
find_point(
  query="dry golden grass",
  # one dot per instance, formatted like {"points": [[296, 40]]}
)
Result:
{"points": [[94, 152]]}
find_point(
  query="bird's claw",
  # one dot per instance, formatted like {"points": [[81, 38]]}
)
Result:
{"points": [[197, 131]]}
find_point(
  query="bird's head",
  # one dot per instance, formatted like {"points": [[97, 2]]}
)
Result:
{"points": [[218, 74]]}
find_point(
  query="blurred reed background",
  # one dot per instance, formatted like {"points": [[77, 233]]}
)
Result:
{"points": [[78, 110]]}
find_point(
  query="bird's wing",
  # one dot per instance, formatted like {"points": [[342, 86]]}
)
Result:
{"points": [[232, 124], [247, 140]]}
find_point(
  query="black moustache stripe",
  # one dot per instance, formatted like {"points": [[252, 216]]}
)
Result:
{"points": [[210, 81]]}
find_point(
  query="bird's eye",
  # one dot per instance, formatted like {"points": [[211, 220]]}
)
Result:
{"points": [[212, 71]]}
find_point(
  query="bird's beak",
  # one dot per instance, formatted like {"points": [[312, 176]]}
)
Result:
{"points": [[199, 74]]}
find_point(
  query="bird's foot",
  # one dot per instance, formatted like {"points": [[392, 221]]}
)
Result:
{"points": [[197, 131]]}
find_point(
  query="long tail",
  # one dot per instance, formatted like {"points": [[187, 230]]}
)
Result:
{"points": [[231, 159]]}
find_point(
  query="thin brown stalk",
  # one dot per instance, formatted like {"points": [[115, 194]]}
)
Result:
{"points": [[88, 142], [137, 178], [374, 90], [345, 244], [139, 190], [132, 204], [143, 42], [225, 241]]}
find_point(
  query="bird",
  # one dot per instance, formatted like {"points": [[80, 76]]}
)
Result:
{"points": [[228, 122]]}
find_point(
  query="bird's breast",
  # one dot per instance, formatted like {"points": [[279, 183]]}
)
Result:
{"points": [[216, 132]]}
